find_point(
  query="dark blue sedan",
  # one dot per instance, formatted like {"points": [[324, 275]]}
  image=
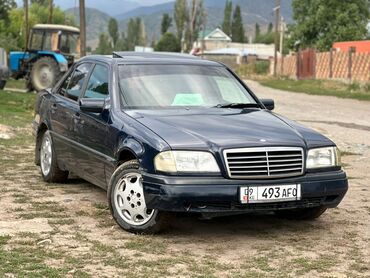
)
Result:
{"points": [[169, 133]]}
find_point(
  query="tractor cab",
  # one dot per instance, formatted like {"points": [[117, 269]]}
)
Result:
{"points": [[56, 38], [51, 50]]}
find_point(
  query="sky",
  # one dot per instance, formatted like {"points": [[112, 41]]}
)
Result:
{"points": [[112, 7]]}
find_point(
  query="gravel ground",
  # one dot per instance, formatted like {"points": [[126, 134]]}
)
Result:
{"points": [[66, 230]]}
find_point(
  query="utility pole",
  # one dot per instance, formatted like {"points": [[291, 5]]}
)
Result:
{"points": [[25, 4], [282, 32], [82, 28], [277, 20], [50, 18]]}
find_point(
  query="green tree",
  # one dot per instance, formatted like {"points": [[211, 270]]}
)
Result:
{"points": [[267, 38], [166, 23], [226, 24], [122, 43], [196, 22], [257, 31], [270, 27], [180, 16], [320, 23], [113, 31], [141, 35], [135, 33], [5, 7], [40, 2], [168, 42], [104, 47], [237, 28], [37, 14]]}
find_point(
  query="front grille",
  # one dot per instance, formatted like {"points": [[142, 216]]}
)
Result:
{"points": [[269, 162]]}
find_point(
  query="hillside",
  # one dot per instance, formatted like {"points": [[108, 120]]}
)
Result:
{"points": [[96, 23], [253, 12]]}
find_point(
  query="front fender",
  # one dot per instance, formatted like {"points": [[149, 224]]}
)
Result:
{"points": [[59, 58], [132, 145]]}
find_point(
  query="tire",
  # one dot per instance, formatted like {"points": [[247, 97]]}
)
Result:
{"points": [[45, 73], [127, 203], [48, 161], [301, 214], [2, 84]]}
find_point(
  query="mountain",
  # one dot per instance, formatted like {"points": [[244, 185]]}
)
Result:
{"points": [[96, 23], [262, 9], [253, 12], [111, 7], [149, 10]]}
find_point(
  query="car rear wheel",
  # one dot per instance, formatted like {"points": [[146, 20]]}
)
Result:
{"points": [[127, 202], [301, 214], [48, 161]]}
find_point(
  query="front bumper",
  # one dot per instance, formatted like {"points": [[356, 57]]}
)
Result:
{"points": [[220, 195]]}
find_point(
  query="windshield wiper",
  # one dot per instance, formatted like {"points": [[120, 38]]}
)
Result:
{"points": [[237, 105]]}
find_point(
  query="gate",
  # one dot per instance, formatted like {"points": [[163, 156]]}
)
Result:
{"points": [[306, 64]]}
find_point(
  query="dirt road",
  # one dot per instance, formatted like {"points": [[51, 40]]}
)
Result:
{"points": [[66, 229]]}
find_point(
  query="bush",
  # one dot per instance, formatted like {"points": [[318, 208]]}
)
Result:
{"points": [[258, 67], [367, 87], [168, 42], [262, 67]]}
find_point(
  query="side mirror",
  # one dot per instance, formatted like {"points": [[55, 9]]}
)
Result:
{"points": [[94, 105], [268, 103]]}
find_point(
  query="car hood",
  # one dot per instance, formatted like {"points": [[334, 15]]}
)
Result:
{"points": [[226, 128]]}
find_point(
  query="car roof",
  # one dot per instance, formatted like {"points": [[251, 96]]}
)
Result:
{"points": [[128, 57]]}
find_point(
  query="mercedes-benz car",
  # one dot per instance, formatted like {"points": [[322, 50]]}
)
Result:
{"points": [[165, 133]]}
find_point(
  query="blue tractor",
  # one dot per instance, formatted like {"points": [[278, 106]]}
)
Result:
{"points": [[51, 50]]}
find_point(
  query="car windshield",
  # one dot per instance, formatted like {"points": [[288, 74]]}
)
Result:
{"points": [[165, 86]]}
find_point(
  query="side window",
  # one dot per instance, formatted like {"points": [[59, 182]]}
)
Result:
{"points": [[230, 91], [72, 85], [97, 87]]}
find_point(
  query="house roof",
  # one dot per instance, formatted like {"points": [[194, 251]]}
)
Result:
{"points": [[217, 35]]}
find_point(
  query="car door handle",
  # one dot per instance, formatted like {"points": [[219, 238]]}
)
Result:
{"points": [[77, 118], [53, 107]]}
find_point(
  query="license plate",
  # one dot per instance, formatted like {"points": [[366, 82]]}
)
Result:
{"points": [[270, 193]]}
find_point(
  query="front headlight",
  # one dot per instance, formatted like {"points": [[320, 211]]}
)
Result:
{"points": [[185, 161], [323, 157]]}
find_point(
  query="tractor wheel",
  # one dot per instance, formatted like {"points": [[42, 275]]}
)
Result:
{"points": [[45, 73]]}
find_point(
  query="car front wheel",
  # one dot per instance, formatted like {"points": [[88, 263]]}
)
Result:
{"points": [[127, 202]]}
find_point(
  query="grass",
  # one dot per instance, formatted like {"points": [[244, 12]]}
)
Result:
{"points": [[16, 109], [321, 264], [16, 84], [320, 87]]}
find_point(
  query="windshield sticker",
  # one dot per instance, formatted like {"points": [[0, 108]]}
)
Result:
{"points": [[188, 99]]}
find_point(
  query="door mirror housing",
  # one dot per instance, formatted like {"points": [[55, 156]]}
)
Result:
{"points": [[94, 105], [268, 103]]}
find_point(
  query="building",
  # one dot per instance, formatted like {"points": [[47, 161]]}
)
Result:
{"points": [[217, 45], [358, 46]]}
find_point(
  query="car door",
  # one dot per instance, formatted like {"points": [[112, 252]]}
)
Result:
{"points": [[92, 129], [63, 114]]}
